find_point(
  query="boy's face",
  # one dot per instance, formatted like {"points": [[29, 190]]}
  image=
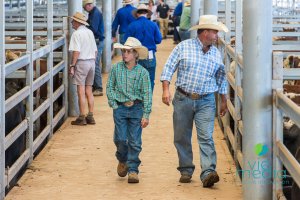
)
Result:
{"points": [[128, 55]]}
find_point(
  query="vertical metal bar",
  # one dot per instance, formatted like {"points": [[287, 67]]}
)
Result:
{"points": [[65, 71], [29, 78], [37, 94], [211, 7], [50, 64], [257, 101], [118, 5], [228, 19], [277, 122], [73, 7], [2, 102], [107, 42], [195, 14], [238, 75], [226, 118]]}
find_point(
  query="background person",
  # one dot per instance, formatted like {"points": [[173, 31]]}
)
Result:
{"points": [[82, 68]]}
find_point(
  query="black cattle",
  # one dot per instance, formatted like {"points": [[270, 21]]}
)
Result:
{"points": [[291, 138], [12, 119], [295, 193]]}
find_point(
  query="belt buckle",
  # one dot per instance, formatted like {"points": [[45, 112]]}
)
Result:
{"points": [[195, 96], [128, 103]]}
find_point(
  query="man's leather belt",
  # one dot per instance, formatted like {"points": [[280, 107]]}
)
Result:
{"points": [[193, 96], [129, 103]]}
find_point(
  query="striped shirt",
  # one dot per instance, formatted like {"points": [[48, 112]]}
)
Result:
{"points": [[129, 85], [198, 72]]}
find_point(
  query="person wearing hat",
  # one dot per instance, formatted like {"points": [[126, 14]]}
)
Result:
{"points": [[122, 19], [148, 33], [95, 21], [82, 68], [163, 10], [176, 21], [129, 93], [185, 21], [200, 73]]}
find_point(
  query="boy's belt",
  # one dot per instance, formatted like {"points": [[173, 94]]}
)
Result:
{"points": [[129, 103]]}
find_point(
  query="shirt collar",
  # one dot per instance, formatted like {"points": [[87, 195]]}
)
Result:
{"points": [[201, 45], [142, 17], [81, 27]]}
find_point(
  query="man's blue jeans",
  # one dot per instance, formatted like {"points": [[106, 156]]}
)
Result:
{"points": [[150, 65], [98, 68], [122, 38], [202, 111], [128, 135]]}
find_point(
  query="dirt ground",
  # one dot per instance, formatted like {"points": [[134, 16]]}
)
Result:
{"points": [[79, 162]]}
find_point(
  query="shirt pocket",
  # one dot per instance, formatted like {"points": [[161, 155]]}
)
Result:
{"points": [[212, 68]]}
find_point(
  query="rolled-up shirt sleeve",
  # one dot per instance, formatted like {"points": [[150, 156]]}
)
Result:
{"points": [[221, 80], [171, 65]]}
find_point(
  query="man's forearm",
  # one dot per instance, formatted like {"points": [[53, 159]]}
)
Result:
{"points": [[165, 85], [75, 56], [223, 97]]}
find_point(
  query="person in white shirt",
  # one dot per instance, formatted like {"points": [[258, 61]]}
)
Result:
{"points": [[82, 68]]}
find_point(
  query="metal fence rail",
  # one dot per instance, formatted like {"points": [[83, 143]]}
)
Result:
{"points": [[33, 82], [233, 132]]}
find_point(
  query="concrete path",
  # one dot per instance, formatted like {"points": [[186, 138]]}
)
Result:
{"points": [[79, 162]]}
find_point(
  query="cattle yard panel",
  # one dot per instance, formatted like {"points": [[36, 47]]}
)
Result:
{"points": [[234, 132], [2, 106], [35, 50], [282, 105]]}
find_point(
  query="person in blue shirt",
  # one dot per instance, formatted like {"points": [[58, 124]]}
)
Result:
{"points": [[176, 20], [122, 19], [200, 73], [148, 34], [95, 21]]}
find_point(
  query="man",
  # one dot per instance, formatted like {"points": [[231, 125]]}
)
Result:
{"points": [[147, 32], [163, 10], [82, 68], [185, 21], [176, 20], [95, 20], [122, 20], [129, 94], [200, 73]]}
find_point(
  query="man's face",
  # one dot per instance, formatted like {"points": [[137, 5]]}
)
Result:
{"points": [[75, 24], [88, 7], [211, 36]]}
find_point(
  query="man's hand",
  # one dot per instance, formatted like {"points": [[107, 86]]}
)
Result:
{"points": [[144, 122], [166, 97], [72, 71], [223, 108], [114, 39]]}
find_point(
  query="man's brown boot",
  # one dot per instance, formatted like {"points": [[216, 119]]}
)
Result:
{"points": [[210, 179], [90, 119], [185, 178], [80, 121]]}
